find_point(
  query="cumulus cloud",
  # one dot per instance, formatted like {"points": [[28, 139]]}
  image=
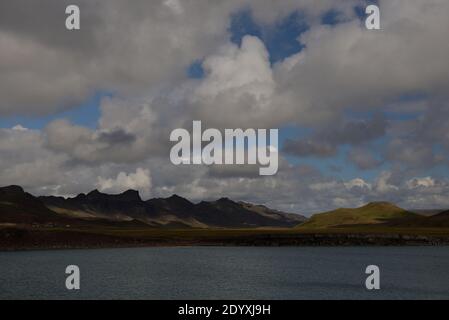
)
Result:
{"points": [[27, 162], [360, 68], [45, 70], [425, 182], [140, 181], [120, 47], [383, 184], [24, 161], [238, 80], [83, 144], [343, 67], [127, 132]]}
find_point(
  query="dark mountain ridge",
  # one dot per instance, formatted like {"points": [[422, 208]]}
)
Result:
{"points": [[17, 206]]}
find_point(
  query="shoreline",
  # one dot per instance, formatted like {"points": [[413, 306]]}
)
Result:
{"points": [[13, 239]]}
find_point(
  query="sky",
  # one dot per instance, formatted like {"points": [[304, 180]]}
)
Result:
{"points": [[361, 113]]}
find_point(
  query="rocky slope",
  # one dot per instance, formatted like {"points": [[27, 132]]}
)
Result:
{"points": [[19, 207]]}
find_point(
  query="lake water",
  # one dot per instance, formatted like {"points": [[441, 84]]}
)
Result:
{"points": [[228, 273]]}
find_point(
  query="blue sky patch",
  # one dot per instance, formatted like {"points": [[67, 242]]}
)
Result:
{"points": [[280, 39]]}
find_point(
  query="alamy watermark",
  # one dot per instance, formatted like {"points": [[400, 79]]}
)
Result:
{"points": [[238, 146], [372, 282], [72, 281], [372, 22], [73, 20]]}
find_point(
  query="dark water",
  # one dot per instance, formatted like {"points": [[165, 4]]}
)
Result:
{"points": [[228, 273]]}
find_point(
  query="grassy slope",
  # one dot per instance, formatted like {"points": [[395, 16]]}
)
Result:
{"points": [[371, 214]]}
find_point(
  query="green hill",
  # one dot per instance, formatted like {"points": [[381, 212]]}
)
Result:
{"points": [[372, 213]]}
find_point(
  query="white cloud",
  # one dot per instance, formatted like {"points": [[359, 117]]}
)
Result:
{"points": [[140, 181], [120, 48], [127, 132], [19, 128], [383, 184], [358, 183], [347, 66], [238, 81], [425, 182]]}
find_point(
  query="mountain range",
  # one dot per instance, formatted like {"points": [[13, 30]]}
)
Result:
{"points": [[98, 220], [128, 209]]}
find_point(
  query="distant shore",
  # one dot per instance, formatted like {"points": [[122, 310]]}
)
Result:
{"points": [[14, 239]]}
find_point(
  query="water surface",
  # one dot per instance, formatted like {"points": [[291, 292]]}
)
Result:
{"points": [[228, 273]]}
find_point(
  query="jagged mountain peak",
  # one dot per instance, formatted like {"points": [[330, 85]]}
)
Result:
{"points": [[226, 201], [176, 199], [12, 189], [95, 193], [128, 195]]}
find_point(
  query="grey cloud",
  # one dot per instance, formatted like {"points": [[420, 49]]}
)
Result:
{"points": [[363, 158], [421, 142], [357, 132], [413, 154], [128, 132], [325, 142], [347, 66], [82, 144], [118, 136], [121, 47], [309, 148]]}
